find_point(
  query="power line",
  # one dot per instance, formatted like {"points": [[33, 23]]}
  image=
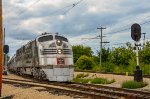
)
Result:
{"points": [[70, 5], [73, 5], [69, 9], [24, 11], [124, 42], [146, 22]]}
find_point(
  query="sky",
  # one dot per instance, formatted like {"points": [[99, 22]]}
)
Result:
{"points": [[77, 20]]}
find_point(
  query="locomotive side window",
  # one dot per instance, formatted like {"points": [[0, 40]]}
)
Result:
{"points": [[61, 38], [45, 38]]}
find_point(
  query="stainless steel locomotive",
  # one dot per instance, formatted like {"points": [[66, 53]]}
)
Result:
{"points": [[49, 56]]}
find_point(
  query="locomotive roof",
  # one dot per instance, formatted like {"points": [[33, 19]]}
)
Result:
{"points": [[45, 34]]}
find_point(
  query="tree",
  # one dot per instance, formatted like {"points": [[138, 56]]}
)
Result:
{"points": [[145, 54], [121, 55], [105, 54], [80, 50]]}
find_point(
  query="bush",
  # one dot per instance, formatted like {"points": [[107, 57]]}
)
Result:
{"points": [[85, 63], [133, 84]]}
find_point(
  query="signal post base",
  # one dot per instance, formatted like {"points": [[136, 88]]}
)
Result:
{"points": [[138, 75]]}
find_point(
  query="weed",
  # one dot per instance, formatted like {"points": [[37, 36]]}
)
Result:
{"points": [[82, 75], [133, 84], [80, 80], [101, 81]]}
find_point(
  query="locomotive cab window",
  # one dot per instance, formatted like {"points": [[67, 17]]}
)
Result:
{"points": [[61, 38], [45, 38]]}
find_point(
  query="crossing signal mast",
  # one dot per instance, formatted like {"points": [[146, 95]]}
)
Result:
{"points": [[136, 35]]}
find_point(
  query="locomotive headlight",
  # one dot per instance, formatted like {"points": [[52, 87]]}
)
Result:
{"points": [[59, 51], [59, 42]]}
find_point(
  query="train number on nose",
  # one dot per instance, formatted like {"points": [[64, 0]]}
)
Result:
{"points": [[60, 61]]}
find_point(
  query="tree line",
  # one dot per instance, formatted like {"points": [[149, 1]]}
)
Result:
{"points": [[117, 60]]}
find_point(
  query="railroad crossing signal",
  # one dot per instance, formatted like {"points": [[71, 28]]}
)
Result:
{"points": [[136, 35], [136, 32], [6, 49]]}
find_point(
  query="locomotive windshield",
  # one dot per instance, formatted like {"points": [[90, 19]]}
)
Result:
{"points": [[61, 38], [45, 38]]}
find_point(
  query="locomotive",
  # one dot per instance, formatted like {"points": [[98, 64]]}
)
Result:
{"points": [[49, 56]]}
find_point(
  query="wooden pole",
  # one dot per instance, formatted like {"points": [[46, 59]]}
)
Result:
{"points": [[101, 42], [1, 47]]}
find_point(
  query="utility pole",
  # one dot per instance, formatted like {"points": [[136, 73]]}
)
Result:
{"points": [[144, 39], [101, 41], [1, 47]]}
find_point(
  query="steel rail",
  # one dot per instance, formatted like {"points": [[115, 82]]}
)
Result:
{"points": [[61, 89], [112, 91]]}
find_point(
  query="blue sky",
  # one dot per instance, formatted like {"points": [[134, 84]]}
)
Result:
{"points": [[26, 19]]}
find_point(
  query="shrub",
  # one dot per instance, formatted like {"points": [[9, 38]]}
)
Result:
{"points": [[133, 84], [85, 63]]}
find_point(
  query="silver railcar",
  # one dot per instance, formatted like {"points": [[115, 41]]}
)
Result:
{"points": [[49, 56]]}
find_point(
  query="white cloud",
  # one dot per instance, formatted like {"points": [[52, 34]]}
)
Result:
{"points": [[93, 9], [15, 44], [49, 16], [61, 17]]}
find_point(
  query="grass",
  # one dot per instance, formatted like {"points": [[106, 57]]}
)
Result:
{"points": [[80, 78], [133, 84], [101, 81], [82, 75]]}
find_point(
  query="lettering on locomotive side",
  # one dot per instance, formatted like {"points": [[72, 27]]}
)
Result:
{"points": [[60, 61]]}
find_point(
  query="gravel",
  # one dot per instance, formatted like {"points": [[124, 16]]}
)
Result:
{"points": [[33, 93], [29, 93]]}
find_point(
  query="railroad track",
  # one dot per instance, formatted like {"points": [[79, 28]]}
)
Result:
{"points": [[86, 90]]}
